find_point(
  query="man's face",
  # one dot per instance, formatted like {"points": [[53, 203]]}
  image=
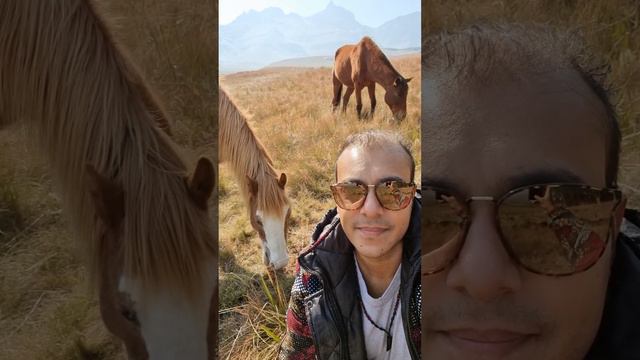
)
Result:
{"points": [[373, 230], [484, 141]]}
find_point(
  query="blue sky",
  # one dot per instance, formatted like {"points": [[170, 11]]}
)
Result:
{"points": [[367, 12]]}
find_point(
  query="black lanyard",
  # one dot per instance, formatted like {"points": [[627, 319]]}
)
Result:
{"points": [[393, 316]]}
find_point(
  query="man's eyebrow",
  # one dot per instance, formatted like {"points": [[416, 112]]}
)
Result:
{"points": [[384, 179], [543, 176], [390, 178]]}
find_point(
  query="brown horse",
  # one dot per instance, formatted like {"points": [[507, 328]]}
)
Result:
{"points": [[140, 216], [363, 65]]}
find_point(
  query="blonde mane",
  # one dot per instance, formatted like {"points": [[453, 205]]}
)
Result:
{"points": [[61, 72], [240, 146]]}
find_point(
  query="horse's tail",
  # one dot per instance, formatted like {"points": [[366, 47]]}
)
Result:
{"points": [[337, 90]]}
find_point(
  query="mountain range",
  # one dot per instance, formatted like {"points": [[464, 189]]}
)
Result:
{"points": [[258, 38]]}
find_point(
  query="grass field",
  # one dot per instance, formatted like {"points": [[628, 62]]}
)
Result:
{"points": [[290, 111], [46, 309]]}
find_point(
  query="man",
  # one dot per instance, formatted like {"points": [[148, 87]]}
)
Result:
{"points": [[357, 292], [523, 257]]}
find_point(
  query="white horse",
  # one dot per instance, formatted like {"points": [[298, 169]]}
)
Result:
{"points": [[141, 219], [269, 208]]}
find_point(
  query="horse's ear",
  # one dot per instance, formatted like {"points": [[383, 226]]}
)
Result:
{"points": [[253, 186], [407, 80], [200, 184], [107, 196], [282, 181]]}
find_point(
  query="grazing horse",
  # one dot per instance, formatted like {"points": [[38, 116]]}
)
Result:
{"points": [[269, 208], [363, 65], [143, 222]]}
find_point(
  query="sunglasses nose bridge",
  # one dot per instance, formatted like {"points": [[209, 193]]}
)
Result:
{"points": [[370, 196], [484, 268], [482, 203]]}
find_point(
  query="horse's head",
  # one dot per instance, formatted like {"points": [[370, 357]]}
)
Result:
{"points": [[271, 222], [396, 97], [156, 319], [108, 201]]}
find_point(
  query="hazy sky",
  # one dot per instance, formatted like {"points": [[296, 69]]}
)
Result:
{"points": [[367, 12]]}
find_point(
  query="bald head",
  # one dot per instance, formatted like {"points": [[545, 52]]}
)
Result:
{"points": [[481, 59], [378, 139]]}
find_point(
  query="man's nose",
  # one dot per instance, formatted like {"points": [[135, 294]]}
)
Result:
{"points": [[484, 270], [371, 206]]}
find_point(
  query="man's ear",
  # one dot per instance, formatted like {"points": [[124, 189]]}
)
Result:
{"points": [[200, 184], [107, 197]]}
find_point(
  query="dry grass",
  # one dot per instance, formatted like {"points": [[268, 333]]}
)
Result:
{"points": [[291, 113], [611, 29], [46, 310]]}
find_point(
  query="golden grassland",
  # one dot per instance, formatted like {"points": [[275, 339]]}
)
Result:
{"points": [[46, 309], [290, 111], [610, 28]]}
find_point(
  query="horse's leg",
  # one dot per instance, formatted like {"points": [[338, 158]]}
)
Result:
{"points": [[345, 99], [371, 88], [359, 88], [337, 92]]}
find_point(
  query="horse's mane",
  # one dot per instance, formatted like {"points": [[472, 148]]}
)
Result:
{"points": [[61, 72], [378, 54], [240, 146]]}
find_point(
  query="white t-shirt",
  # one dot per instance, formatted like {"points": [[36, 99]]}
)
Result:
{"points": [[380, 311]]}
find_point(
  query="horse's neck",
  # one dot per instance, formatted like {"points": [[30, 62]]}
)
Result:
{"points": [[248, 157], [385, 74], [172, 325]]}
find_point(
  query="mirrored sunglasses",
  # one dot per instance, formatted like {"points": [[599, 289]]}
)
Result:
{"points": [[549, 229], [392, 195]]}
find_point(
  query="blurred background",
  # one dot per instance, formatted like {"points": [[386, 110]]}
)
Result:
{"points": [[46, 310]]}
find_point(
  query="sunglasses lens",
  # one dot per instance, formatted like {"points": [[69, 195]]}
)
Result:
{"points": [[557, 229], [349, 196], [395, 195], [443, 227]]}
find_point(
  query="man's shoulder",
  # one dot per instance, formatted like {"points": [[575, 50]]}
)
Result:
{"points": [[306, 283], [325, 225]]}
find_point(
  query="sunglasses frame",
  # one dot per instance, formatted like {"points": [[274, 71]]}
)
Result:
{"points": [[617, 195], [369, 186]]}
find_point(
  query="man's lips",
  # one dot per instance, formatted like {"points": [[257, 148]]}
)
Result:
{"points": [[488, 336], [491, 342], [371, 230]]}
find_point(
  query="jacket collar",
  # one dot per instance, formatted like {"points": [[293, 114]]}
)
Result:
{"points": [[619, 331]]}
